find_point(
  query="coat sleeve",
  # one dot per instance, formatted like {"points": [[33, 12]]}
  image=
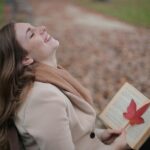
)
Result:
{"points": [[98, 132], [47, 121]]}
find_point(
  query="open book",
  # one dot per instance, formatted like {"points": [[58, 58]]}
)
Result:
{"points": [[113, 117]]}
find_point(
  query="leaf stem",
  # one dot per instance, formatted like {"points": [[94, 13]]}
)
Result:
{"points": [[125, 127]]}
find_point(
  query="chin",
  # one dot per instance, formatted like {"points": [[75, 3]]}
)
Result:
{"points": [[54, 43]]}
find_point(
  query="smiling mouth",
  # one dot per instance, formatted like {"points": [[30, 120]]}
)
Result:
{"points": [[47, 38]]}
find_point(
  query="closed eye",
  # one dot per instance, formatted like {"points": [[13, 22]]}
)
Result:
{"points": [[32, 35]]}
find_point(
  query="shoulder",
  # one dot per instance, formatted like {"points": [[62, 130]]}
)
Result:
{"points": [[41, 88], [46, 91], [43, 97]]}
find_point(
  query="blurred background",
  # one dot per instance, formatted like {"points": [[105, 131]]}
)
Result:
{"points": [[103, 43]]}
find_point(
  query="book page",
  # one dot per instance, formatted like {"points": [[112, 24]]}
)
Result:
{"points": [[113, 113]]}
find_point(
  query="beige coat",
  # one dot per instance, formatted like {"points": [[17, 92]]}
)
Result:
{"points": [[49, 120]]}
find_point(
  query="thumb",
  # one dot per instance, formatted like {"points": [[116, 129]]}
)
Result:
{"points": [[120, 142]]}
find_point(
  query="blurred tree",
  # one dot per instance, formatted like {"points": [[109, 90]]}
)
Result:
{"points": [[18, 10]]}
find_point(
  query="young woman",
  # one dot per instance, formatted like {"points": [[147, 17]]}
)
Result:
{"points": [[50, 108]]}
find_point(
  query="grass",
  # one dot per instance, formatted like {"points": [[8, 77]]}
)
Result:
{"points": [[136, 12]]}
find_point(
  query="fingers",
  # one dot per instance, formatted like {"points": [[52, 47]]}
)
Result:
{"points": [[110, 135], [123, 135], [121, 140]]}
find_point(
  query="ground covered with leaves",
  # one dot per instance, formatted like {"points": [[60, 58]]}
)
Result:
{"points": [[102, 53]]}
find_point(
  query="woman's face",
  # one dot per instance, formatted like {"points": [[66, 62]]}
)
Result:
{"points": [[39, 44]]}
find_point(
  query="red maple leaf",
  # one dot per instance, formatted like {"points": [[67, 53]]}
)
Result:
{"points": [[133, 115]]}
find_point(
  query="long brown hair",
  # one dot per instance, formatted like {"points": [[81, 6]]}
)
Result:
{"points": [[14, 77]]}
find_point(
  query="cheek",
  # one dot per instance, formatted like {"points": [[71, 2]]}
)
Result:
{"points": [[37, 43], [39, 50]]}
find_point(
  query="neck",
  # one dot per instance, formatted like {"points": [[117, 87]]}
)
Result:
{"points": [[51, 61]]}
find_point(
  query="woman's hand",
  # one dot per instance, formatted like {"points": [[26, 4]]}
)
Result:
{"points": [[109, 135], [120, 142]]}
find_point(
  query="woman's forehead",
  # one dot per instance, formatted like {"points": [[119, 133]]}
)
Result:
{"points": [[22, 26]]}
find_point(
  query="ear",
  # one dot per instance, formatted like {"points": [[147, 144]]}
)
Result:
{"points": [[27, 60]]}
